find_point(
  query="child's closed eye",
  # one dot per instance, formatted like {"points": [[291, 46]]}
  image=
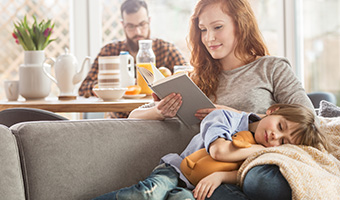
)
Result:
{"points": [[280, 127]]}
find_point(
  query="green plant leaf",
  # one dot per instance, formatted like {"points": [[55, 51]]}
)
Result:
{"points": [[33, 37]]}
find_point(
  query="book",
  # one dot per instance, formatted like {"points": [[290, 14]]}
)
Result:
{"points": [[193, 98]]}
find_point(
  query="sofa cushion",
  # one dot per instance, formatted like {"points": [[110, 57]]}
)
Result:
{"points": [[327, 109], [11, 182], [83, 159]]}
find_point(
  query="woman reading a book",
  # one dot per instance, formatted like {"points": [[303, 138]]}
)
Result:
{"points": [[233, 68]]}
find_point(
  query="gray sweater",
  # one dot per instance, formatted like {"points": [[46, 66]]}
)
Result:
{"points": [[256, 86]]}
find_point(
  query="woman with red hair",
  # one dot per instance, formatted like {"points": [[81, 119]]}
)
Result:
{"points": [[232, 66]]}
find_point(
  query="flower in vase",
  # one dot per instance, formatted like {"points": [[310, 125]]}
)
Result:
{"points": [[35, 37]]}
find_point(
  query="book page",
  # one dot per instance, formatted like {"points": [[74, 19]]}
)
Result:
{"points": [[157, 75], [146, 74], [168, 78]]}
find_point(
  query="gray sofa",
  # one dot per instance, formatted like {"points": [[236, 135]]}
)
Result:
{"points": [[79, 160]]}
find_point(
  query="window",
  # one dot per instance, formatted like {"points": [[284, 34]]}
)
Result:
{"points": [[321, 28], [11, 54], [268, 13], [111, 26]]}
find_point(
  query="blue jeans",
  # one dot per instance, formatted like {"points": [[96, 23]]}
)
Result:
{"points": [[161, 184], [261, 183], [266, 182]]}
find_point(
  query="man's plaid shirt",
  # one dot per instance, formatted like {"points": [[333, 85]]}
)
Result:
{"points": [[167, 55]]}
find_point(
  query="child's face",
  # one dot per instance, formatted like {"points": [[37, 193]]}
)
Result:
{"points": [[275, 130]]}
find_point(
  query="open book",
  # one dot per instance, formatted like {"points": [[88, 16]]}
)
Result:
{"points": [[193, 98]]}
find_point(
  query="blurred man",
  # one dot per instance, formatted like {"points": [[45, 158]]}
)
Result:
{"points": [[136, 23]]}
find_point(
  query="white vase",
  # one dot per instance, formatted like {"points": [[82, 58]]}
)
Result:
{"points": [[34, 57], [33, 83]]}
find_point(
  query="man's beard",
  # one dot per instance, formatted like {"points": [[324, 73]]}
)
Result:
{"points": [[132, 45]]}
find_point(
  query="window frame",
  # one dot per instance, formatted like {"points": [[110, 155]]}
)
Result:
{"points": [[86, 27], [293, 35]]}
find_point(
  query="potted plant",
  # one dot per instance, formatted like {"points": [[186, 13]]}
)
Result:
{"points": [[33, 83], [33, 39]]}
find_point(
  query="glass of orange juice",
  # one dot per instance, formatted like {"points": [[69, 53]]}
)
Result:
{"points": [[140, 80]]}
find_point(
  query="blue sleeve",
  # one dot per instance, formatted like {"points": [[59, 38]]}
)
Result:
{"points": [[219, 123]]}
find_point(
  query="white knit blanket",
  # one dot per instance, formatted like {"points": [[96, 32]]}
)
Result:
{"points": [[311, 173]]}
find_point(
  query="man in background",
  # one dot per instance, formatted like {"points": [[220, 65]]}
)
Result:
{"points": [[136, 23]]}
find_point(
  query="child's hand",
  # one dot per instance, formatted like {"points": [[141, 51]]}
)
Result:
{"points": [[207, 186]]}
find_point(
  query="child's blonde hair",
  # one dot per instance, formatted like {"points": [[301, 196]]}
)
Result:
{"points": [[308, 131]]}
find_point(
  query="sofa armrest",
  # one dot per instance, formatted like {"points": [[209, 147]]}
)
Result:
{"points": [[11, 182]]}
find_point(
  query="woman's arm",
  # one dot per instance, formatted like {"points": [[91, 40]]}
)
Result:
{"points": [[287, 88], [165, 108], [202, 113], [146, 113], [223, 150]]}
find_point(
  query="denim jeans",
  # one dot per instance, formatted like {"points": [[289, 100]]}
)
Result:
{"points": [[161, 184], [261, 183], [228, 192], [266, 182]]}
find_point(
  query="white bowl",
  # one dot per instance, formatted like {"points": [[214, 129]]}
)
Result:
{"points": [[109, 94]]}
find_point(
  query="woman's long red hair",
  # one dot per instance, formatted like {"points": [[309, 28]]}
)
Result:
{"points": [[249, 42]]}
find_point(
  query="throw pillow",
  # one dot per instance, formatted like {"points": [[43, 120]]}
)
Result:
{"points": [[328, 109]]}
